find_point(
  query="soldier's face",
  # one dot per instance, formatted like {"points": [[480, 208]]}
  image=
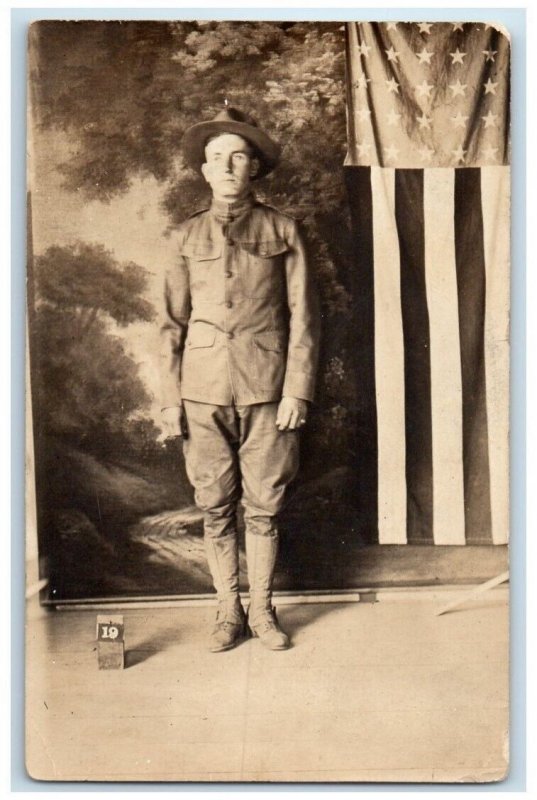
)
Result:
{"points": [[229, 166]]}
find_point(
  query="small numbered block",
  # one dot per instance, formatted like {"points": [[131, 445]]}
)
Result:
{"points": [[110, 641]]}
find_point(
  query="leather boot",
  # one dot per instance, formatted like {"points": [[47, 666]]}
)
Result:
{"points": [[223, 559], [230, 627], [261, 552]]}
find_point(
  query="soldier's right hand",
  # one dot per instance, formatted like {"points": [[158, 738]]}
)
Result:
{"points": [[174, 422]]}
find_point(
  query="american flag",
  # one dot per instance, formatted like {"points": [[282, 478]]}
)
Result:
{"points": [[428, 180]]}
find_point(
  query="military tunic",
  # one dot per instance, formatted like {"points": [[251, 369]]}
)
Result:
{"points": [[241, 319]]}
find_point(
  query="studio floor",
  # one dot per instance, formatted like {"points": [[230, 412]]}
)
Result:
{"points": [[384, 691]]}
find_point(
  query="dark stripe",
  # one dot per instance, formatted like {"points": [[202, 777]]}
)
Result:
{"points": [[409, 213], [471, 278], [361, 285]]}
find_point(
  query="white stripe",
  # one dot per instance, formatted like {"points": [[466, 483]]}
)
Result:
{"points": [[495, 194], [389, 362], [446, 379]]}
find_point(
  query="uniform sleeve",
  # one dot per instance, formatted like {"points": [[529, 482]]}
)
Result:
{"points": [[304, 321], [175, 314]]}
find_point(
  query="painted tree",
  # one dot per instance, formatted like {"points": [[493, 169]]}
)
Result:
{"points": [[87, 385]]}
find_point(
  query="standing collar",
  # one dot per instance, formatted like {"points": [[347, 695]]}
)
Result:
{"points": [[227, 212]]}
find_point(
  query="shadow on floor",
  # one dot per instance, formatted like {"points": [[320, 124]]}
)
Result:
{"points": [[162, 640], [296, 617]]}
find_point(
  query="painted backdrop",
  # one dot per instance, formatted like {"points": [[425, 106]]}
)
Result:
{"points": [[109, 104]]}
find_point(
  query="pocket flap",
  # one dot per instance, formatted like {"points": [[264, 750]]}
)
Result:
{"points": [[202, 251], [201, 335], [270, 340], [265, 249]]}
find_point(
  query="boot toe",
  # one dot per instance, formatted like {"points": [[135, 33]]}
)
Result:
{"points": [[219, 644], [277, 640], [224, 640]]}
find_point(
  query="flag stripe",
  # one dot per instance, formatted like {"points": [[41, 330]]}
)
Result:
{"points": [[389, 362], [495, 191], [446, 383], [471, 298], [361, 281], [419, 467]]}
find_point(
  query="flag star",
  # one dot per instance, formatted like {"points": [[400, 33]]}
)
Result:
{"points": [[458, 88], [459, 153], [392, 55], [459, 121], [425, 27], [457, 57], [393, 117], [361, 82], [490, 86], [363, 149], [490, 153], [426, 153], [490, 120], [393, 86], [424, 121], [363, 50], [363, 114], [425, 56], [391, 152], [489, 54], [457, 26], [391, 26], [424, 89]]}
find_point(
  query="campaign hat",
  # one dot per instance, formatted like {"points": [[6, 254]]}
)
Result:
{"points": [[230, 120]]}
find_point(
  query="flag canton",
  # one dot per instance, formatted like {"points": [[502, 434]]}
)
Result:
{"points": [[427, 94]]}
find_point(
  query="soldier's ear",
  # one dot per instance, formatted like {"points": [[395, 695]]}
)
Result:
{"points": [[204, 169], [254, 167]]}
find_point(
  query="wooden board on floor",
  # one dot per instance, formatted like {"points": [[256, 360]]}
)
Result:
{"points": [[372, 567]]}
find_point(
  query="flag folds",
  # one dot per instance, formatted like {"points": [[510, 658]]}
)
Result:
{"points": [[428, 183]]}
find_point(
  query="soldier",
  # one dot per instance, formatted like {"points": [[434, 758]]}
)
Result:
{"points": [[240, 342]]}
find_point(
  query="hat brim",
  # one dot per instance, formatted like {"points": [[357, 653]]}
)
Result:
{"points": [[196, 138]]}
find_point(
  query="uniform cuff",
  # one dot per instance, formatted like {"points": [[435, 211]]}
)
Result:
{"points": [[299, 385]]}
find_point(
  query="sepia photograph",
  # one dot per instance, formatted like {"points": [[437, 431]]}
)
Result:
{"points": [[267, 401]]}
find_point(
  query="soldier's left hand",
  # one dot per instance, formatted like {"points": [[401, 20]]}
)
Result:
{"points": [[292, 414]]}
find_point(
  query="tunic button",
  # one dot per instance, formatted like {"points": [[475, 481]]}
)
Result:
{"points": [[229, 304], [230, 335], [228, 274]]}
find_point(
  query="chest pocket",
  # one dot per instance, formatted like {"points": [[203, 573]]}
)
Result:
{"points": [[262, 268], [206, 274]]}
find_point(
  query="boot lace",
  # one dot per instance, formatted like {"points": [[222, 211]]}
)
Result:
{"points": [[224, 622], [267, 622]]}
